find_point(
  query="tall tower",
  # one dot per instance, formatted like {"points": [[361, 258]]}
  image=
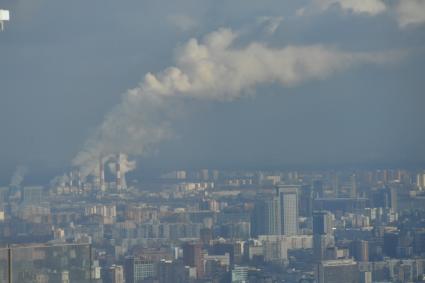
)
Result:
{"points": [[288, 199], [119, 177], [101, 175], [322, 234], [266, 217], [192, 256]]}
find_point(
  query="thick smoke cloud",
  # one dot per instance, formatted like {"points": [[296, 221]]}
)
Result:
{"points": [[406, 12], [211, 69], [368, 7], [411, 12]]}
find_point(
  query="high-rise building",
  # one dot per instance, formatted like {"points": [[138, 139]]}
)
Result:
{"points": [[166, 271], [322, 233], [420, 180], [266, 217], [360, 250], [240, 274], [173, 272], [322, 223], [365, 277], [116, 273], [138, 269], [391, 198], [391, 242], [306, 201], [337, 271], [318, 189], [288, 199], [192, 256], [319, 247], [386, 198]]}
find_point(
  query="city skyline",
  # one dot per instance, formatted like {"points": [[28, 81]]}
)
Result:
{"points": [[212, 141]]}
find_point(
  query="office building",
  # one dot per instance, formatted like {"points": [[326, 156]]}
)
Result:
{"points": [[192, 256], [116, 274], [137, 269], [306, 197], [322, 223], [337, 271], [318, 189], [266, 217], [359, 249], [322, 234], [288, 199], [240, 274]]}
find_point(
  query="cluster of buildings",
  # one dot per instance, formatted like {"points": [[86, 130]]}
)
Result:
{"points": [[219, 226]]}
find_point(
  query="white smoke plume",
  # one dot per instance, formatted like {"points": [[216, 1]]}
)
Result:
{"points": [[125, 164], [211, 69], [366, 7], [18, 176], [60, 181], [271, 24], [410, 12]]}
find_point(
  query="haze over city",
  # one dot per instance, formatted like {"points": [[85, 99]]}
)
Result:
{"points": [[212, 141]]}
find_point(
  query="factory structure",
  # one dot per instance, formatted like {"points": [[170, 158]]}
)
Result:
{"points": [[118, 179], [101, 180]]}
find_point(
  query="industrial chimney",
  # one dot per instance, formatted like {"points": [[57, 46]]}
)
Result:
{"points": [[119, 177], [101, 175]]}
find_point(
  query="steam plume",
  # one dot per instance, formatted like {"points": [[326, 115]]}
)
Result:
{"points": [[18, 176], [211, 69]]}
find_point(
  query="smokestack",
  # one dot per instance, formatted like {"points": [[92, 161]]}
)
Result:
{"points": [[79, 180], [71, 179], [101, 175], [119, 179]]}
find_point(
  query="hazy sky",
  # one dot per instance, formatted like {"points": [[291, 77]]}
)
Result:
{"points": [[65, 65]]}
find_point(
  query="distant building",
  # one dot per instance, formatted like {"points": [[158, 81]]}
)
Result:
{"points": [[386, 198], [360, 250], [174, 272], [322, 223], [322, 234], [288, 199], [337, 271], [240, 274], [306, 196], [318, 189], [62, 263], [116, 273], [137, 269], [266, 217], [192, 257]]}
